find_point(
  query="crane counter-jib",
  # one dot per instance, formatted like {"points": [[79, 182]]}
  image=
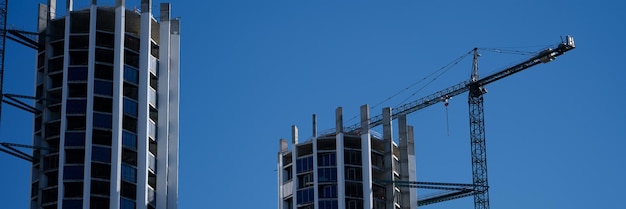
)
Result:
{"points": [[440, 96]]}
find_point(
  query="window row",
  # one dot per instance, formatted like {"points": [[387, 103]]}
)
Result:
{"points": [[305, 196], [327, 174], [327, 159], [328, 191], [304, 164]]}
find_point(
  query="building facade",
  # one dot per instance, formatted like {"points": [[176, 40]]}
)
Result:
{"points": [[108, 79], [348, 169]]}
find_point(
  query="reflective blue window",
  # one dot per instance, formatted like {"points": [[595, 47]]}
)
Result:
{"points": [[102, 120], [73, 139], [101, 154], [129, 173], [130, 107], [328, 204], [131, 75], [305, 196], [328, 191], [304, 164], [71, 204], [327, 174], [76, 106], [73, 172], [103, 87], [77, 74], [327, 159], [127, 204], [129, 139]]}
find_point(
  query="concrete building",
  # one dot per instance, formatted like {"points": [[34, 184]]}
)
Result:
{"points": [[348, 169], [110, 78]]}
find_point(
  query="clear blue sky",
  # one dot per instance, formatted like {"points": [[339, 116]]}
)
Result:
{"points": [[556, 133]]}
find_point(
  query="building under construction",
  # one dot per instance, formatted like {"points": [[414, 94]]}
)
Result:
{"points": [[354, 167], [342, 168]]}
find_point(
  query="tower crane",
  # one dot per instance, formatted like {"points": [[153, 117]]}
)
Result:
{"points": [[476, 88]]}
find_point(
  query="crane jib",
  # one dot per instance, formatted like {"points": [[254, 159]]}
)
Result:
{"points": [[440, 96]]}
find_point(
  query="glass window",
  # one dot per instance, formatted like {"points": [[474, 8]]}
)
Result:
{"points": [[131, 75], [77, 74], [79, 57], [129, 156], [77, 89], [74, 156], [327, 174], [354, 173], [305, 196], [72, 204], [102, 120], [130, 91], [101, 137], [131, 42], [330, 204], [76, 106], [127, 204], [129, 140], [102, 104], [75, 139], [129, 123], [128, 190], [104, 39], [328, 191], [129, 173], [352, 157], [100, 187], [79, 42], [327, 159], [304, 164], [103, 72], [100, 170], [73, 172], [130, 107], [354, 189], [101, 154], [79, 22], [99, 202], [152, 180], [104, 55], [103, 87], [76, 123], [131, 58]]}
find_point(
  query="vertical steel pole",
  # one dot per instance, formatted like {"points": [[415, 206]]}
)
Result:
{"points": [[477, 140]]}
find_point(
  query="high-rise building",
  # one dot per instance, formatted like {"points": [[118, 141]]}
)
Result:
{"points": [[108, 120], [352, 169]]}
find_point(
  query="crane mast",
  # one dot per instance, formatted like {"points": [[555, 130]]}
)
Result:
{"points": [[475, 86]]}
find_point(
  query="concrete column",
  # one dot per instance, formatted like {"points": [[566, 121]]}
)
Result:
{"points": [[366, 157], [163, 106], [143, 120], [407, 163], [118, 80], [174, 108], [314, 126], [388, 158], [91, 63], [294, 159], [294, 135], [411, 163], [341, 186], [282, 148]]}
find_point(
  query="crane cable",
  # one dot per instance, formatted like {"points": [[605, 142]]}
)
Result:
{"points": [[444, 68]]}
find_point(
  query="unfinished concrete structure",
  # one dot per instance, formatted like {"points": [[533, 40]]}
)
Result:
{"points": [[352, 170], [109, 120]]}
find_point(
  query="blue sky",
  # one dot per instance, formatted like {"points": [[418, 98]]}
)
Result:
{"points": [[556, 133]]}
